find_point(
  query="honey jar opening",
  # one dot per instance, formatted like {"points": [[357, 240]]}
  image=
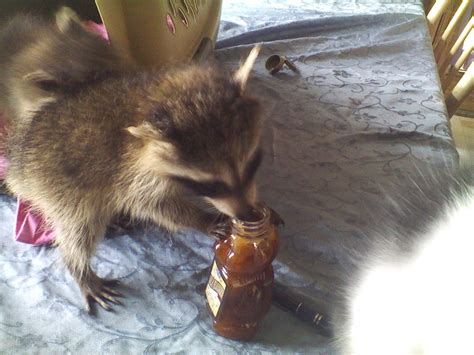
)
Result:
{"points": [[256, 225]]}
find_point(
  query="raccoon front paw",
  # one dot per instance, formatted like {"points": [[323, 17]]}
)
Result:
{"points": [[120, 225], [100, 291], [220, 227], [275, 218]]}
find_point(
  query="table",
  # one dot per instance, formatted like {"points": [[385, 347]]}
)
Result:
{"points": [[365, 112]]}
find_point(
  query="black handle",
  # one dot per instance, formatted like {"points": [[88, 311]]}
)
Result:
{"points": [[303, 309]]}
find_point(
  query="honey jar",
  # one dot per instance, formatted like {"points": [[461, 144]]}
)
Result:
{"points": [[239, 290]]}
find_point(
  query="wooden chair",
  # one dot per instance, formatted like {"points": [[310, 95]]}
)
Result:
{"points": [[445, 22]]}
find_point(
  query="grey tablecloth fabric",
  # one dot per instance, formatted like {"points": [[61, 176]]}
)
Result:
{"points": [[365, 111]]}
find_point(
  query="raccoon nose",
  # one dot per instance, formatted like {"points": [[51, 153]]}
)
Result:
{"points": [[246, 213]]}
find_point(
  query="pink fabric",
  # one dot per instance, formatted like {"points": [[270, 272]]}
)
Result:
{"points": [[99, 28], [30, 227]]}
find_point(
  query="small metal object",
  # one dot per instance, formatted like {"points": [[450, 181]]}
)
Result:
{"points": [[276, 62]]}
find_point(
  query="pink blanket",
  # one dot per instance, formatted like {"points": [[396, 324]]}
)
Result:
{"points": [[30, 227]]}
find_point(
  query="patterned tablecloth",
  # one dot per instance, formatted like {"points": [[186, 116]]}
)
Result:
{"points": [[366, 110]]}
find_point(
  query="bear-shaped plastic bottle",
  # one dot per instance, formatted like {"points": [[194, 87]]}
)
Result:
{"points": [[239, 290]]}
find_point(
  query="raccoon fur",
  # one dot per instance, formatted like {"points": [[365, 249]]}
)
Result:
{"points": [[102, 141], [40, 57]]}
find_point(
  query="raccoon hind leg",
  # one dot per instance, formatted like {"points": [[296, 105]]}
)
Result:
{"points": [[77, 242]]}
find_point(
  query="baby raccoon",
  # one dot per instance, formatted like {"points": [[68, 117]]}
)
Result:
{"points": [[40, 57], [142, 143]]}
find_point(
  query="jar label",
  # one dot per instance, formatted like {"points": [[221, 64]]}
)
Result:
{"points": [[247, 280], [215, 289]]}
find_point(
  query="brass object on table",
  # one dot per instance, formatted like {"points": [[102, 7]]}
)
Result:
{"points": [[276, 62]]}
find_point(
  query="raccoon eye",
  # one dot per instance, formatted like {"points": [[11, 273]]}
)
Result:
{"points": [[252, 167], [208, 189]]}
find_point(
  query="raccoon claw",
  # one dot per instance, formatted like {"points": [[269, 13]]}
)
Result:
{"points": [[101, 292], [101, 302], [276, 219], [121, 225], [110, 298], [220, 227], [220, 232]]}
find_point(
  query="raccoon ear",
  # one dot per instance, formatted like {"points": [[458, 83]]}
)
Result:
{"points": [[143, 131], [242, 74], [67, 19]]}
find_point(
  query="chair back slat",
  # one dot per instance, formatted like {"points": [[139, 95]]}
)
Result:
{"points": [[451, 47]]}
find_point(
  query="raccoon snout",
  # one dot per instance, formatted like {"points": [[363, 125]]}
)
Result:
{"points": [[232, 207], [245, 213], [244, 205]]}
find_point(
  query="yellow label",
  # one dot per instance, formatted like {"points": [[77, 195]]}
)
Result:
{"points": [[215, 289], [213, 300]]}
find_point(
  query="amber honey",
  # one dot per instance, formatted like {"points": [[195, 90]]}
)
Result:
{"points": [[239, 290]]}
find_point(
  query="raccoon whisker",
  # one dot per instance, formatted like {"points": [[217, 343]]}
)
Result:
{"points": [[216, 218], [222, 215], [209, 207]]}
